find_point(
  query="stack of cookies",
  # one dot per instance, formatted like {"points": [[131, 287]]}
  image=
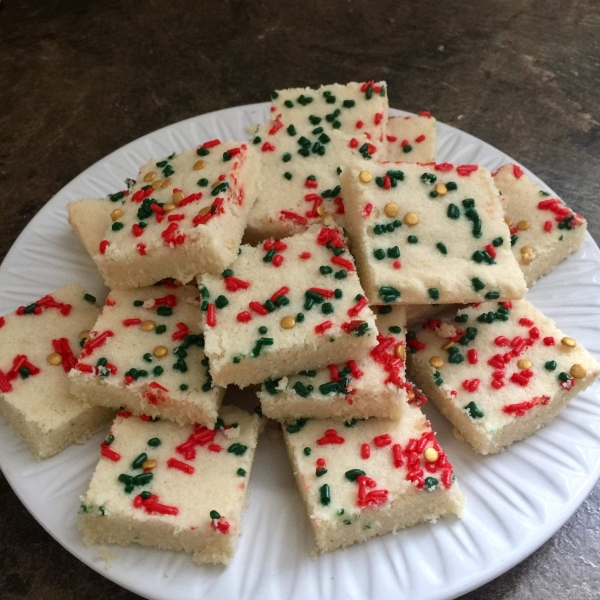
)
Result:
{"points": [[313, 262]]}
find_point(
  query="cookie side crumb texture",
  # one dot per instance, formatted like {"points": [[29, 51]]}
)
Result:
{"points": [[40, 343], [368, 478], [498, 371], [429, 234], [283, 307], [185, 215], [145, 352], [544, 231], [370, 386], [312, 134], [175, 487], [411, 139]]}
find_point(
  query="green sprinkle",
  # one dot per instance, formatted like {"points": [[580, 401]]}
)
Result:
{"points": [[221, 301], [477, 284], [327, 308], [514, 239], [564, 376], [288, 103], [461, 318], [286, 157], [341, 274], [384, 310], [406, 149], [237, 449], [473, 410], [214, 515], [164, 311], [353, 474], [379, 254], [138, 302], [434, 293], [451, 186], [431, 483], [394, 328], [413, 239], [137, 463], [348, 103], [89, 298], [320, 472], [160, 329], [492, 295], [202, 182], [453, 211], [550, 365], [302, 390], [498, 242], [288, 175], [296, 426], [325, 495], [300, 318], [117, 226], [291, 130], [325, 270], [428, 178], [158, 371], [262, 330], [337, 293], [393, 252], [241, 472], [307, 451], [442, 248]]}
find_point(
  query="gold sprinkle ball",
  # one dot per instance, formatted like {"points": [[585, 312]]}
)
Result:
{"points": [[526, 250], [204, 211], [157, 183], [149, 464], [149, 176], [166, 183], [84, 334], [523, 225], [390, 209], [169, 206], [116, 214], [288, 322], [431, 455], [578, 371], [526, 258], [54, 359], [441, 189], [436, 362], [320, 210], [365, 176], [148, 325], [524, 364], [400, 352], [160, 352], [448, 345], [411, 219], [568, 342], [178, 197], [199, 165], [508, 221]]}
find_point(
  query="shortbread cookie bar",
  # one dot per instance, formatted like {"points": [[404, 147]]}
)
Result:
{"points": [[370, 386], [185, 215], [353, 108], [311, 136], [360, 479], [146, 353], [429, 234], [411, 139], [543, 230], [40, 343], [498, 371], [175, 487], [283, 307]]}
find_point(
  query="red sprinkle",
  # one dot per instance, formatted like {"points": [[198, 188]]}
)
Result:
{"points": [[367, 210], [472, 356], [211, 315], [131, 322], [244, 317], [108, 453], [549, 341], [331, 437], [548, 226], [104, 244], [343, 262], [517, 171], [382, 440], [397, 455], [354, 311], [305, 255], [466, 170], [181, 333], [294, 216], [471, 385], [174, 463], [323, 327], [365, 451], [356, 372], [257, 307]]}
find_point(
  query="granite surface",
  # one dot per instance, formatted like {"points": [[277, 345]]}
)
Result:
{"points": [[78, 79]]}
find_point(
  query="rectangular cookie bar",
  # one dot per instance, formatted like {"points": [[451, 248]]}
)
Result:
{"points": [[429, 234], [35, 397], [370, 386], [372, 477], [411, 139], [498, 371], [185, 215], [543, 230], [146, 353], [175, 487], [285, 306]]}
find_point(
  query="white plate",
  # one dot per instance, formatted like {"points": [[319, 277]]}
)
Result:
{"points": [[515, 500]]}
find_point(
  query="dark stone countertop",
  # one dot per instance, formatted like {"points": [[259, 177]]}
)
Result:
{"points": [[78, 79]]}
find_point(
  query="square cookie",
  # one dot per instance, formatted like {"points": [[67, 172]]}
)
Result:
{"points": [[370, 386], [429, 234], [185, 215], [498, 371], [543, 230], [368, 478], [35, 397], [175, 487], [411, 139], [283, 307], [146, 353]]}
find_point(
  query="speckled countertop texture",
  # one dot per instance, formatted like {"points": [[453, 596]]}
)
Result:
{"points": [[78, 79]]}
